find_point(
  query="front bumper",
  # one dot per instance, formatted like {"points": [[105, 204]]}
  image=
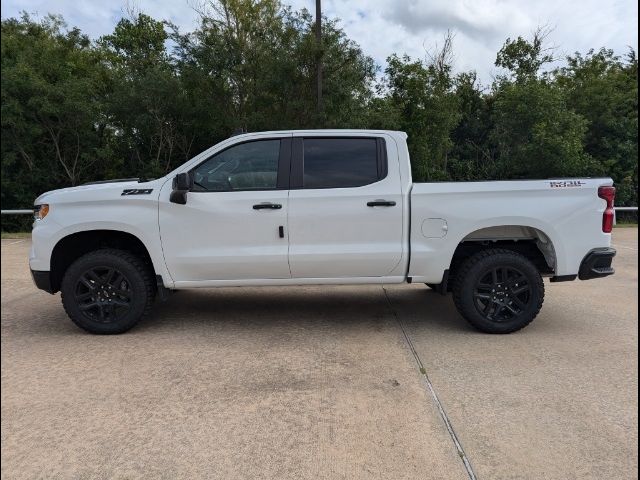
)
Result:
{"points": [[597, 264], [42, 280]]}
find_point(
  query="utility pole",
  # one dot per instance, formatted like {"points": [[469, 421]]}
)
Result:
{"points": [[319, 56]]}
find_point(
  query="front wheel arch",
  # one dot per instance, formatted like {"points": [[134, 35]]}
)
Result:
{"points": [[73, 246]]}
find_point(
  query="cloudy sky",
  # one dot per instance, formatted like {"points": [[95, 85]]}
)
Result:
{"points": [[414, 27]]}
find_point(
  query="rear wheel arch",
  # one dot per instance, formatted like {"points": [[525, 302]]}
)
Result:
{"points": [[530, 242]]}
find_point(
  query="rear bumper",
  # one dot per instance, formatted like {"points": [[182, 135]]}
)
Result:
{"points": [[42, 280], [597, 264]]}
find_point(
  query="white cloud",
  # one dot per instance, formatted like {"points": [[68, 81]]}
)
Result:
{"points": [[383, 27]]}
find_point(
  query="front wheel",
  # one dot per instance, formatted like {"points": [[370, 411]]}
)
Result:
{"points": [[107, 291], [498, 291]]}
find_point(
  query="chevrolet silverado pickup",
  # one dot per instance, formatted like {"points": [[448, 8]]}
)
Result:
{"points": [[317, 207]]}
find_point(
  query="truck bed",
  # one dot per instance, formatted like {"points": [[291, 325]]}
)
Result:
{"points": [[566, 213]]}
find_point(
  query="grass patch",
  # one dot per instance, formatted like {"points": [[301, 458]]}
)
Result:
{"points": [[15, 235], [626, 225]]}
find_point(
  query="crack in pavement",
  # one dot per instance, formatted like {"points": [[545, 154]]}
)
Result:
{"points": [[434, 395], [624, 246], [12, 243]]}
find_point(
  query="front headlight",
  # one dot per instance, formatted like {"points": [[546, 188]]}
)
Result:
{"points": [[40, 211]]}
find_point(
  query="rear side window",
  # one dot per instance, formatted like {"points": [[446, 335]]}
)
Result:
{"points": [[341, 162]]}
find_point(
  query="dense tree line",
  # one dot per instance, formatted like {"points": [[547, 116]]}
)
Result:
{"points": [[147, 97]]}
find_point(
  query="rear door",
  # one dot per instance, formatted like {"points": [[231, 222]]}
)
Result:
{"points": [[345, 207]]}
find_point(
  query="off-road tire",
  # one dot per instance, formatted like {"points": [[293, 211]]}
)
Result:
{"points": [[468, 288], [138, 281]]}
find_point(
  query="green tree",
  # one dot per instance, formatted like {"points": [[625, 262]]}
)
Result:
{"points": [[422, 93], [147, 106], [535, 133], [473, 156], [603, 88], [53, 132], [524, 58], [258, 60]]}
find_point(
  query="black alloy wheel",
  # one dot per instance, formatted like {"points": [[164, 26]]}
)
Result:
{"points": [[498, 290], [502, 293], [108, 291], [103, 294]]}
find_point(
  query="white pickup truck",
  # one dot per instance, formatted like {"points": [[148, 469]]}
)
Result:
{"points": [[317, 207]]}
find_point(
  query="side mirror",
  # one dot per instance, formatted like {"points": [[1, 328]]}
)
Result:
{"points": [[181, 185]]}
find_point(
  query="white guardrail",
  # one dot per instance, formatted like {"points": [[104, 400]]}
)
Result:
{"points": [[622, 209], [16, 212]]}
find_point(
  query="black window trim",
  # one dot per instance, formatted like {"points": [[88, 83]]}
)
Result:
{"points": [[284, 166], [297, 159]]}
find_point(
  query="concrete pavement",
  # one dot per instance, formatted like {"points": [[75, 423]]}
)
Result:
{"points": [[558, 399], [319, 382]]}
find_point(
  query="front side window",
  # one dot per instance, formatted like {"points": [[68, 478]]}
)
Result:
{"points": [[340, 162], [247, 166]]}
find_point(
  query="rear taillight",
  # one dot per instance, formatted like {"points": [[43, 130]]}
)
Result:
{"points": [[608, 194]]}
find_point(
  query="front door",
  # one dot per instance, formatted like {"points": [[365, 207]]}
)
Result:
{"points": [[233, 225], [345, 207]]}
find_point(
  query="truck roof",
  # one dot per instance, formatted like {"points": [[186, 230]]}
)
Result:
{"points": [[328, 131]]}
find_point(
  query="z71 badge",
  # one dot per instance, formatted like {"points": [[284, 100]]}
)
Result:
{"points": [[137, 191], [566, 183]]}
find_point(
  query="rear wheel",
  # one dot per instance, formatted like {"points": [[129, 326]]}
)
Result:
{"points": [[107, 291], [498, 291]]}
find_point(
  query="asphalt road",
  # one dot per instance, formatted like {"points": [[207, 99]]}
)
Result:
{"points": [[322, 382]]}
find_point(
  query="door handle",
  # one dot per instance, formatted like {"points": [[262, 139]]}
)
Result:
{"points": [[381, 203], [269, 206]]}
